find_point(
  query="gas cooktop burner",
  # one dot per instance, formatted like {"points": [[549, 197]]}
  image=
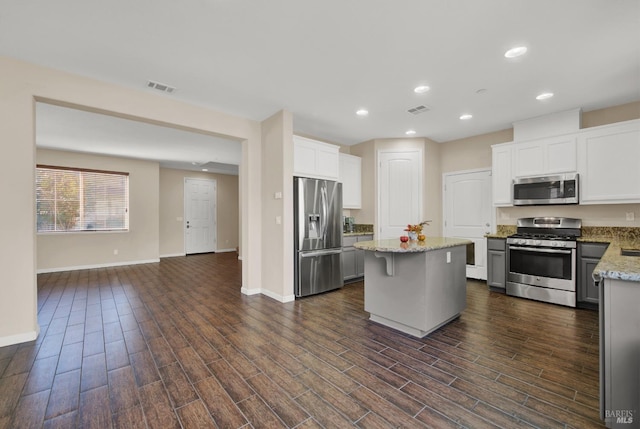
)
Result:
{"points": [[546, 232]]}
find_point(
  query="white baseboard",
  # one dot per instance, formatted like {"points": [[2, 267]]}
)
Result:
{"points": [[172, 255], [246, 291], [268, 293], [19, 338], [225, 250], [88, 267]]}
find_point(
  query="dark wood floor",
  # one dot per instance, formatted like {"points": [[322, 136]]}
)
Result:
{"points": [[176, 344]]}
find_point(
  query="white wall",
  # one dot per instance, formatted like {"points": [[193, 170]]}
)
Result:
{"points": [[277, 245]]}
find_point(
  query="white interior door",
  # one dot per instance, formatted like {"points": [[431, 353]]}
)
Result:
{"points": [[399, 192], [468, 213], [200, 215]]}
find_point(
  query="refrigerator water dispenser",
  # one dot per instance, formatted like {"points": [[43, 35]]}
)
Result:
{"points": [[314, 226]]}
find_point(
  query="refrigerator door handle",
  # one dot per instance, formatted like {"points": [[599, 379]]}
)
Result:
{"points": [[325, 211], [315, 253]]}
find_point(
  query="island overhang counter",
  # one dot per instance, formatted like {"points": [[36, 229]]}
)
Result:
{"points": [[415, 287]]}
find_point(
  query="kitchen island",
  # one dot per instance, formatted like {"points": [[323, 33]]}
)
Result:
{"points": [[414, 287], [618, 277]]}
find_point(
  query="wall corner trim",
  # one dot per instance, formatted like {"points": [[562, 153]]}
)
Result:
{"points": [[19, 338]]}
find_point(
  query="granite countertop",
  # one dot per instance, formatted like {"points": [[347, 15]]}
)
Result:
{"points": [[613, 265], [356, 234], [394, 245]]}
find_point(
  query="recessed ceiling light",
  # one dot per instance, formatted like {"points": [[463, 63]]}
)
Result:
{"points": [[544, 96], [516, 52], [466, 116], [421, 89], [362, 112], [410, 132], [205, 169]]}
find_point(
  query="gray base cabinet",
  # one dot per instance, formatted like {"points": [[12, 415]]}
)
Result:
{"points": [[589, 255], [619, 353], [352, 258], [496, 263]]}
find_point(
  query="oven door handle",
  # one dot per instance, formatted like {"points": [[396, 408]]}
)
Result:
{"points": [[542, 250]]}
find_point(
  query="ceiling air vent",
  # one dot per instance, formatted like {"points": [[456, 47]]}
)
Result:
{"points": [[160, 86], [418, 109]]}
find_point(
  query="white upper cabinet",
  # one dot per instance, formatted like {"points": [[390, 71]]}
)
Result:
{"points": [[315, 159], [501, 174], [545, 156], [351, 178], [609, 164]]}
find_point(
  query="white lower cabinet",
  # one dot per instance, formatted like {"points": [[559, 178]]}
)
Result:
{"points": [[609, 164]]}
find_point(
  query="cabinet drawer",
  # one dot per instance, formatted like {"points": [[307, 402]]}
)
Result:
{"points": [[365, 238], [593, 250], [496, 244], [349, 241]]}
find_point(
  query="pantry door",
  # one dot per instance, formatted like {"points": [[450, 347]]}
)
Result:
{"points": [[200, 215], [399, 191], [468, 213]]}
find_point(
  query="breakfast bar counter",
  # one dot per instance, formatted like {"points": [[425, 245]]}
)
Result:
{"points": [[415, 287]]}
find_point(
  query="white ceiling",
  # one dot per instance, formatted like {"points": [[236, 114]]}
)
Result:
{"points": [[323, 60]]}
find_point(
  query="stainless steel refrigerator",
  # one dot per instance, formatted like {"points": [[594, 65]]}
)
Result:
{"points": [[318, 235]]}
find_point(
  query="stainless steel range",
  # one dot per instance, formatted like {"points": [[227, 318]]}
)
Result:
{"points": [[541, 259]]}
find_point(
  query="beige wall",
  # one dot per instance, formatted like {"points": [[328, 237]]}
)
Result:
{"points": [[20, 86], [56, 252], [277, 245], [471, 153], [623, 112], [432, 178], [172, 208]]}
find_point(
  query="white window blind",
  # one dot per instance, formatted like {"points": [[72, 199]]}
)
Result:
{"points": [[70, 199]]}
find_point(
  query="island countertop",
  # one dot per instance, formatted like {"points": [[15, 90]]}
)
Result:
{"points": [[394, 245], [613, 265]]}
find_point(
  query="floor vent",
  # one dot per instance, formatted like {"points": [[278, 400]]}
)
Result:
{"points": [[418, 109], [160, 86]]}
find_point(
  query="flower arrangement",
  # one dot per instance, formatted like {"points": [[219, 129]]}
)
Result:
{"points": [[415, 231], [418, 227]]}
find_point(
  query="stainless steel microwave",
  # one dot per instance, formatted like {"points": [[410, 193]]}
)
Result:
{"points": [[557, 189]]}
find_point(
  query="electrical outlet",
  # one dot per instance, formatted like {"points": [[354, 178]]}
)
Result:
{"points": [[115, 251], [278, 220], [631, 216]]}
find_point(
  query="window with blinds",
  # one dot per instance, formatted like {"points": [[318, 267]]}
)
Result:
{"points": [[74, 200]]}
